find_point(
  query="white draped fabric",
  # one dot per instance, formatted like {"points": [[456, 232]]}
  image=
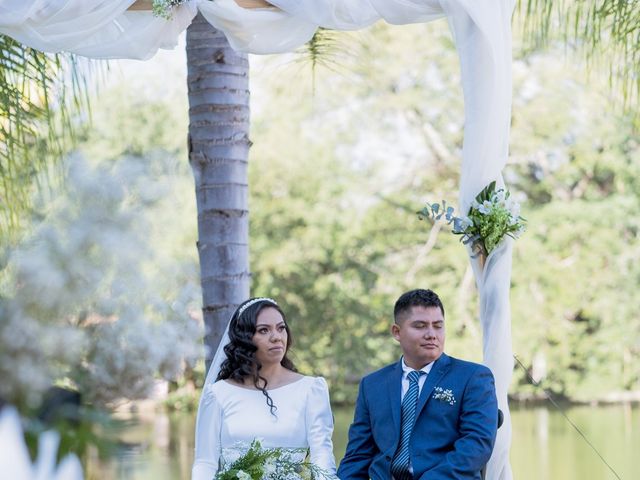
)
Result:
{"points": [[15, 462], [92, 28], [482, 32]]}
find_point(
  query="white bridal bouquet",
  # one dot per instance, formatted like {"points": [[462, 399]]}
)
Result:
{"points": [[270, 464], [492, 216]]}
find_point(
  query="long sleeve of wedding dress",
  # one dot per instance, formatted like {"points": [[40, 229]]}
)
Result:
{"points": [[319, 422], [208, 428]]}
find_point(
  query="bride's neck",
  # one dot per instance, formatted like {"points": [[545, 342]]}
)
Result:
{"points": [[274, 374], [272, 371]]}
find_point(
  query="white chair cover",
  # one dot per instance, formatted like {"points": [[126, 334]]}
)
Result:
{"points": [[482, 31]]}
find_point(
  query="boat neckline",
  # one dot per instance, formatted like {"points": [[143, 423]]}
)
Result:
{"points": [[268, 389]]}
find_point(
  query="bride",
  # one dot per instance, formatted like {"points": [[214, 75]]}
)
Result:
{"points": [[253, 391]]}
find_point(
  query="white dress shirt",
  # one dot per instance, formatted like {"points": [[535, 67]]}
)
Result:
{"points": [[405, 380]]}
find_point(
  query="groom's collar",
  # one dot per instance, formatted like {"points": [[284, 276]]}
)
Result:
{"points": [[406, 369], [442, 361]]}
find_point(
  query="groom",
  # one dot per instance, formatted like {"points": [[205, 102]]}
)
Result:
{"points": [[428, 416]]}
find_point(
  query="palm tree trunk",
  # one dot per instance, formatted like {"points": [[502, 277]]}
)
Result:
{"points": [[218, 84]]}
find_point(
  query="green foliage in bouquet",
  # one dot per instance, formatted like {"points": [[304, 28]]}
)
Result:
{"points": [[492, 216], [270, 464], [251, 465]]}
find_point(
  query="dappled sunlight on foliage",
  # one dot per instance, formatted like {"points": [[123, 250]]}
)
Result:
{"points": [[337, 181], [341, 162]]}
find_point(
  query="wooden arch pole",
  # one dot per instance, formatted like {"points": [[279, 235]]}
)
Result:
{"points": [[147, 5], [142, 5]]}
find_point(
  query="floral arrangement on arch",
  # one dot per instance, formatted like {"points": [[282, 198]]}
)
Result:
{"points": [[270, 464], [492, 216], [163, 8]]}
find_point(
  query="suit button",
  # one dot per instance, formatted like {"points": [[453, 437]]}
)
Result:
{"points": [[388, 457]]}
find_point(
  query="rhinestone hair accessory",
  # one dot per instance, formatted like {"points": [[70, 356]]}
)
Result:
{"points": [[254, 301]]}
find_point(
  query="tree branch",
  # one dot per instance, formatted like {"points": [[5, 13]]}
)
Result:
{"points": [[423, 253]]}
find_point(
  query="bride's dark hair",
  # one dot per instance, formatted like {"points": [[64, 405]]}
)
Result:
{"points": [[241, 361]]}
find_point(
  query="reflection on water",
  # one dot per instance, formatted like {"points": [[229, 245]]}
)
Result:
{"points": [[545, 446], [151, 446]]}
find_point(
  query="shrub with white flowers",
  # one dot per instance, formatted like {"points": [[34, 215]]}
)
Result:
{"points": [[85, 299]]}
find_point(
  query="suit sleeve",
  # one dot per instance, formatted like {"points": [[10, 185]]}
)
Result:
{"points": [[478, 425], [361, 448]]}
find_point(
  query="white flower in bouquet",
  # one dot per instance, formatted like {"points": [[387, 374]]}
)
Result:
{"points": [[270, 464], [484, 207]]}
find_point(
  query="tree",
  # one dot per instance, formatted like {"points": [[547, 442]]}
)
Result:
{"points": [[218, 83]]}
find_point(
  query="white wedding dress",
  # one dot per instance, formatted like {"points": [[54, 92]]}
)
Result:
{"points": [[234, 416]]}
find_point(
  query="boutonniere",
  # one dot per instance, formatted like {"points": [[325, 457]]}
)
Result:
{"points": [[444, 395]]}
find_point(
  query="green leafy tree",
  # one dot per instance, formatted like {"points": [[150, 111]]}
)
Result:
{"points": [[337, 182]]}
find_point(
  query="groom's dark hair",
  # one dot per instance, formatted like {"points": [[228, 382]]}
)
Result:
{"points": [[416, 298]]}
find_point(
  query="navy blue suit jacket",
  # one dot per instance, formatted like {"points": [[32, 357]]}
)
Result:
{"points": [[455, 429]]}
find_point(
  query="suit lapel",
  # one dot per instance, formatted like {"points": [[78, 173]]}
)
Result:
{"points": [[394, 389], [440, 367]]}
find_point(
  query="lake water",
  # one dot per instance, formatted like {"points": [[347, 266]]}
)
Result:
{"points": [[545, 445]]}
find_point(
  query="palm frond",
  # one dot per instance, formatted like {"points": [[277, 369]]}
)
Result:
{"points": [[40, 97], [323, 47], [605, 31], [327, 48]]}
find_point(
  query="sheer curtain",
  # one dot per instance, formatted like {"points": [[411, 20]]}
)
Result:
{"points": [[482, 32], [92, 28]]}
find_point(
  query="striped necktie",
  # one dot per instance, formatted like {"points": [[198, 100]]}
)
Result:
{"points": [[400, 462]]}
